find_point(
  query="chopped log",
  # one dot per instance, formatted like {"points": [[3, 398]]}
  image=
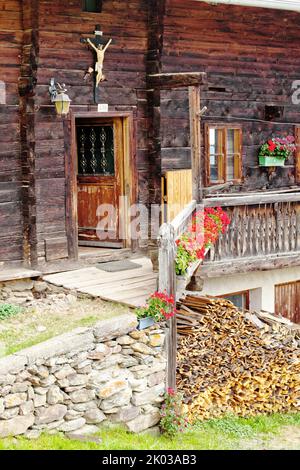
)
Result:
{"points": [[233, 362]]}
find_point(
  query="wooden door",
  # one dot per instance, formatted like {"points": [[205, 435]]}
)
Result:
{"points": [[100, 181], [287, 301]]}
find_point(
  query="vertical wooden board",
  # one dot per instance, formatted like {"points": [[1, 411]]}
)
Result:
{"points": [[287, 301], [178, 191]]}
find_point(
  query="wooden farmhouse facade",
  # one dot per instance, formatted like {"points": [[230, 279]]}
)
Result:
{"points": [[135, 131]]}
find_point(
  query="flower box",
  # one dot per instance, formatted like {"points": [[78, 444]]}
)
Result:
{"points": [[145, 323], [276, 151], [271, 161], [159, 307]]}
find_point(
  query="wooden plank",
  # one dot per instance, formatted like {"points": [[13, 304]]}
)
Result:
{"points": [[18, 273], [62, 277], [56, 248], [287, 301], [249, 264], [178, 191], [168, 81], [263, 198], [113, 285], [114, 290]]}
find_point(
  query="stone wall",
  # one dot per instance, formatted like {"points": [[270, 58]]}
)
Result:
{"points": [[30, 293], [72, 383]]}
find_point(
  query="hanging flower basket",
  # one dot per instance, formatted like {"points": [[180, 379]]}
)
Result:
{"points": [[276, 151]]}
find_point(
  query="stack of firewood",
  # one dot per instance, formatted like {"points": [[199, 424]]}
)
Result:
{"points": [[233, 362]]}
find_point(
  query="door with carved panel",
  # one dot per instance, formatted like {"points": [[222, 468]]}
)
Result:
{"points": [[100, 181]]}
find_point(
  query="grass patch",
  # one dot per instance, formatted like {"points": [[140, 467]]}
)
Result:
{"points": [[221, 434], [236, 427], [8, 310], [39, 324]]}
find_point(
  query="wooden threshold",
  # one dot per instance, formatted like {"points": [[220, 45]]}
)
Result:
{"points": [[15, 274]]}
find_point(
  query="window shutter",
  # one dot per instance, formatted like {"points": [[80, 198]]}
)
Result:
{"points": [[238, 154]]}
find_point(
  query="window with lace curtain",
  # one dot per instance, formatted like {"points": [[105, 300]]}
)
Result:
{"points": [[223, 147]]}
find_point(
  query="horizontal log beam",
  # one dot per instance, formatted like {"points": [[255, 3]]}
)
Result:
{"points": [[257, 263], [264, 198], [168, 81]]}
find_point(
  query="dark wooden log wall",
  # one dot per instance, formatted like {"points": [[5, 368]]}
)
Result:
{"points": [[11, 239], [154, 66], [251, 56], [62, 56]]}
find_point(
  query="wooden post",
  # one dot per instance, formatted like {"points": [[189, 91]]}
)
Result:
{"points": [[167, 281], [28, 118], [195, 136], [71, 187]]}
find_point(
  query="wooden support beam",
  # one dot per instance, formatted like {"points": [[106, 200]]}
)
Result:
{"points": [[27, 91], [195, 140], [252, 199], [71, 187], [167, 282], [156, 13], [256, 263], [169, 81]]}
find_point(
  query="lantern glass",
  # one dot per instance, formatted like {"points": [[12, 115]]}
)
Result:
{"points": [[62, 104]]}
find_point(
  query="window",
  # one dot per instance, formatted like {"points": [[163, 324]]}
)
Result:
{"points": [[93, 6], [239, 299], [223, 154], [96, 153]]}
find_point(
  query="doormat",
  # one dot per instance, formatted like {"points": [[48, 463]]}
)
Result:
{"points": [[116, 266]]}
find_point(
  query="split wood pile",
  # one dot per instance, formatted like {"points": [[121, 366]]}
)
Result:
{"points": [[233, 362]]}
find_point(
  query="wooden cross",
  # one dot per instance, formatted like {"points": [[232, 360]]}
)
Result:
{"points": [[99, 45]]}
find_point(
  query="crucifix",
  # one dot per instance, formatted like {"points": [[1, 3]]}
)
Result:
{"points": [[99, 45]]}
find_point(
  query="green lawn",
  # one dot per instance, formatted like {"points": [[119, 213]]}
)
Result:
{"points": [[35, 325], [265, 432]]}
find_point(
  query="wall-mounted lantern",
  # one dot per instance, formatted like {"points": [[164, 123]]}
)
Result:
{"points": [[59, 97]]}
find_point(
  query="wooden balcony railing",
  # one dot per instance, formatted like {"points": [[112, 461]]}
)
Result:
{"points": [[263, 225]]}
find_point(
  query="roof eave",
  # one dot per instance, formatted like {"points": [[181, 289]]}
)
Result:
{"points": [[293, 5]]}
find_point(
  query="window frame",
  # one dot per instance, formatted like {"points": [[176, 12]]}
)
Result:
{"points": [[99, 7], [245, 293], [237, 165]]}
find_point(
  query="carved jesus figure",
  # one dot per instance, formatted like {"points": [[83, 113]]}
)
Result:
{"points": [[100, 51]]}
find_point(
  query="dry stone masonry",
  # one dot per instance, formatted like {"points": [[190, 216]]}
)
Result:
{"points": [[109, 373], [31, 293]]}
